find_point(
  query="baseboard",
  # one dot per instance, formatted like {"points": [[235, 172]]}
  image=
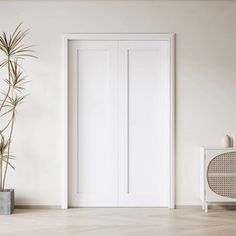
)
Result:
{"points": [[211, 206], [187, 206], [37, 207], [223, 205]]}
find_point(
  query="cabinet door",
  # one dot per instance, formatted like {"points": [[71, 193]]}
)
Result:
{"points": [[93, 123], [144, 123]]}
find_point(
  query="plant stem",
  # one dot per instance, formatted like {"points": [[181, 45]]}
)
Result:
{"points": [[8, 91], [8, 149], [1, 175], [2, 179], [5, 126], [9, 87]]}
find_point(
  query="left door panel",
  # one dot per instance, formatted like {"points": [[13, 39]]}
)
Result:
{"points": [[93, 174]]}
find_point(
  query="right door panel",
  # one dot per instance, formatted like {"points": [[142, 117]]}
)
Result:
{"points": [[144, 123]]}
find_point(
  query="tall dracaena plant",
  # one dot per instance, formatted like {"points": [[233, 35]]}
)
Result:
{"points": [[12, 54]]}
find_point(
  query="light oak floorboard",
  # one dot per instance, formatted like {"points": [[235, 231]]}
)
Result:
{"points": [[119, 222]]}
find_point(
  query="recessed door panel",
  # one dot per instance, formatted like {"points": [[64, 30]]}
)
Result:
{"points": [[144, 162], [94, 162]]}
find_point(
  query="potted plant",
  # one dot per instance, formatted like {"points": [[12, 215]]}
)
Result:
{"points": [[12, 82]]}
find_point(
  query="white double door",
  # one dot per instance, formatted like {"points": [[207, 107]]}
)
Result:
{"points": [[119, 123]]}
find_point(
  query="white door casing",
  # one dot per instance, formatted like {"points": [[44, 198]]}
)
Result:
{"points": [[121, 118]]}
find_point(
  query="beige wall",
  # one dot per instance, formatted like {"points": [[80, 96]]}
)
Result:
{"points": [[206, 81]]}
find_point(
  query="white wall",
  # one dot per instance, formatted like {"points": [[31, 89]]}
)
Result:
{"points": [[206, 81]]}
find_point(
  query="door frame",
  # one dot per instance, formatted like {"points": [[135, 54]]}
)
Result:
{"points": [[170, 38]]}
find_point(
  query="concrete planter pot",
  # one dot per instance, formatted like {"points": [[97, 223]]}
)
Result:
{"points": [[7, 202]]}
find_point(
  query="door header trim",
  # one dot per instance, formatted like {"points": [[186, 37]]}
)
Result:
{"points": [[119, 36]]}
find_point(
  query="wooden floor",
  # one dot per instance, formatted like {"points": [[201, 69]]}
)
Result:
{"points": [[119, 222]]}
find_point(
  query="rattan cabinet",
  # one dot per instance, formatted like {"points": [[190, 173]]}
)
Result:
{"points": [[217, 176]]}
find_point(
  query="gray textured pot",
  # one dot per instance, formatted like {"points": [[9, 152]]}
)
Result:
{"points": [[7, 202]]}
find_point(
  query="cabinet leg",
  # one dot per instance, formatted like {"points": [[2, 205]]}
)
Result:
{"points": [[203, 206], [206, 208]]}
